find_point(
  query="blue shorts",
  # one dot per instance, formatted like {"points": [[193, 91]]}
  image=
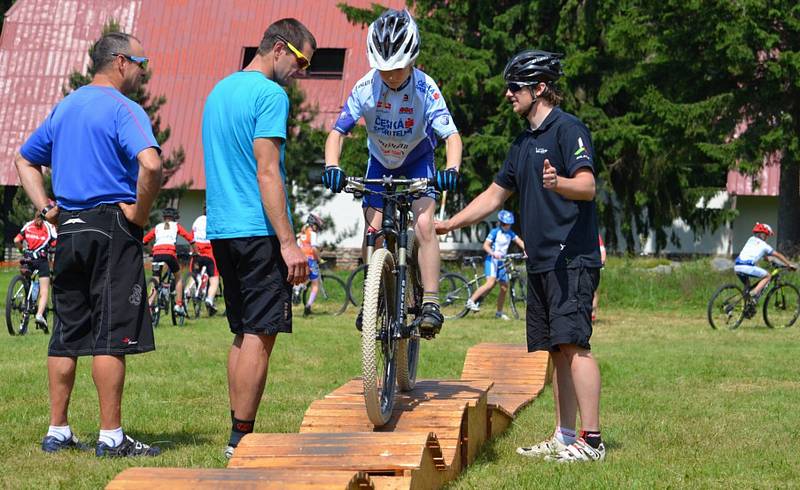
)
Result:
{"points": [[751, 270], [313, 268], [494, 268], [417, 169]]}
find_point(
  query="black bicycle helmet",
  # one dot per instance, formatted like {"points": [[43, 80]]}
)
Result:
{"points": [[314, 220], [533, 66], [171, 213], [392, 40]]}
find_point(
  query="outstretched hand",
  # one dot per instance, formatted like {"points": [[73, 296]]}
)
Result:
{"points": [[441, 227], [549, 176]]}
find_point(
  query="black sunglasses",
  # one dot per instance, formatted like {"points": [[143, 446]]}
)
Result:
{"points": [[515, 87]]}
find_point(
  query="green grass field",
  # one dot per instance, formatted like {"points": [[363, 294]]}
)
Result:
{"points": [[682, 406]]}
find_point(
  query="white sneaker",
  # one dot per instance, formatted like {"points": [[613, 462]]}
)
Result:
{"points": [[501, 316], [473, 306], [180, 310], [229, 452], [579, 452], [550, 447]]}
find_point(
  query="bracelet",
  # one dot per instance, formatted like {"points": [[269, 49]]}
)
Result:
{"points": [[45, 210]]}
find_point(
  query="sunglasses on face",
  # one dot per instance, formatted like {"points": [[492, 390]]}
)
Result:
{"points": [[515, 87], [139, 60], [302, 61]]}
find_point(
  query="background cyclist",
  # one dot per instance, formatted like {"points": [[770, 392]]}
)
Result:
{"points": [[205, 257], [496, 247], [35, 240], [755, 249], [307, 240], [166, 235], [402, 108]]}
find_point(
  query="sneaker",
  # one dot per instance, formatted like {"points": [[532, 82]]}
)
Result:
{"points": [[501, 316], [52, 444], [473, 306], [579, 452], [360, 319], [431, 321], [180, 310], [550, 447], [212, 310], [306, 310], [229, 452], [129, 447]]}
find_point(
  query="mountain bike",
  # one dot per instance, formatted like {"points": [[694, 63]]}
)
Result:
{"points": [[355, 284], [731, 304], [392, 307], [455, 289], [331, 297], [161, 294], [22, 299], [195, 289]]}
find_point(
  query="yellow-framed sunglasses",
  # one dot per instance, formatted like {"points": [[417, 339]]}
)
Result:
{"points": [[302, 61]]}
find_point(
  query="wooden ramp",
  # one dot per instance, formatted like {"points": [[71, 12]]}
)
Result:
{"points": [[518, 378], [436, 430]]}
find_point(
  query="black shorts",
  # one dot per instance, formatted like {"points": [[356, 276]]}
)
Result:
{"points": [[199, 261], [560, 308], [99, 288], [41, 265], [170, 260], [258, 299]]}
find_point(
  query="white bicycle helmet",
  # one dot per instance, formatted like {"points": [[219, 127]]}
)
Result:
{"points": [[392, 41]]}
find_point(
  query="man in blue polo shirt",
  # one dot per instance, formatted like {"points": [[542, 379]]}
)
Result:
{"points": [[106, 173], [551, 166], [244, 130]]}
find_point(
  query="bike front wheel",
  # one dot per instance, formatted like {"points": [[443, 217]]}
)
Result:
{"points": [[332, 296], [726, 308], [355, 285], [15, 304], [782, 306], [153, 301], [455, 291], [378, 346]]}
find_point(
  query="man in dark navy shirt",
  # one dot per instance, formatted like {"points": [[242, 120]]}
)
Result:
{"points": [[106, 172], [551, 166]]}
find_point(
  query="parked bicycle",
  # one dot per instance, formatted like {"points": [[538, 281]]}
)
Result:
{"points": [[195, 289], [161, 295], [731, 304], [331, 298], [455, 289], [392, 296], [22, 299]]}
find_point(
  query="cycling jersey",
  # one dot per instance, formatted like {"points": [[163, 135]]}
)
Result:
{"points": [[500, 239], [39, 239], [166, 238], [400, 123], [308, 241], [754, 250], [201, 242]]}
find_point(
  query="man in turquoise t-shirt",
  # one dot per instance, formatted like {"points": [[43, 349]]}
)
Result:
{"points": [[244, 131]]}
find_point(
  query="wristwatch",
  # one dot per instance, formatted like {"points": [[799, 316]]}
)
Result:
{"points": [[45, 210]]}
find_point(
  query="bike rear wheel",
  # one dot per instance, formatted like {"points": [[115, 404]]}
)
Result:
{"points": [[726, 307], [516, 289], [782, 306], [153, 300], [455, 291], [378, 346], [15, 303], [332, 296], [355, 285], [191, 296]]}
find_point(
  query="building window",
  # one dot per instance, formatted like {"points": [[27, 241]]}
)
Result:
{"points": [[326, 63]]}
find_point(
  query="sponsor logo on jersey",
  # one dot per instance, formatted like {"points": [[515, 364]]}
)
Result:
{"points": [[541, 151], [581, 152], [436, 96], [405, 97], [409, 122], [363, 84], [383, 104], [406, 110], [444, 120], [387, 127]]}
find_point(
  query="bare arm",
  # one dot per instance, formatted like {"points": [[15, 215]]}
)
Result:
{"points": [[487, 247], [333, 148], [580, 187], [32, 180], [782, 258], [453, 149], [147, 186], [520, 243], [273, 198], [482, 206]]}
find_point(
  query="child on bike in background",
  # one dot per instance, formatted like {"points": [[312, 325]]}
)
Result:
{"points": [[166, 236], [402, 108], [205, 257], [307, 241], [496, 247], [35, 240], [754, 250]]}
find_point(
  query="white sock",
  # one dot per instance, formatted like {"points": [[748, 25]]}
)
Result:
{"points": [[62, 432], [565, 436], [111, 438]]}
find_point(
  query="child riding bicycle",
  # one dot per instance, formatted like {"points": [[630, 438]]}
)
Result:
{"points": [[402, 108], [35, 240], [307, 240], [755, 249], [166, 236], [496, 247]]}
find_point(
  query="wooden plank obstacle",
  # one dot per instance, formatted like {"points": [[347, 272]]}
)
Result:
{"points": [[436, 431]]}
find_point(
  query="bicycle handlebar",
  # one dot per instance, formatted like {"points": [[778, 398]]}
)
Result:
{"points": [[358, 185]]}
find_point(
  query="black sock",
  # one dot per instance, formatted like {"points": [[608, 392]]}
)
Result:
{"points": [[238, 430], [592, 437]]}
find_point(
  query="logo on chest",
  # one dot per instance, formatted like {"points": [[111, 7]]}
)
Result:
{"points": [[541, 151]]}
